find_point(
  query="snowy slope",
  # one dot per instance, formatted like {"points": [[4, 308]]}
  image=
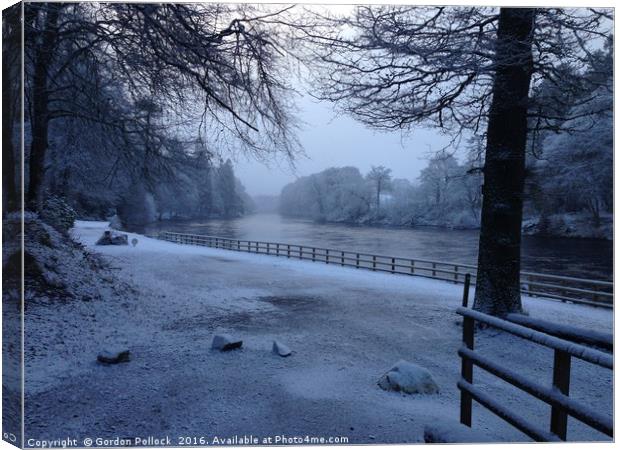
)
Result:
{"points": [[346, 328]]}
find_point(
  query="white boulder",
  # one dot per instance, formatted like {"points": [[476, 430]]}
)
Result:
{"points": [[225, 342], [114, 356], [281, 349], [409, 378]]}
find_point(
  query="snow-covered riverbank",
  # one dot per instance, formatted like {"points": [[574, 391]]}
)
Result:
{"points": [[346, 328]]}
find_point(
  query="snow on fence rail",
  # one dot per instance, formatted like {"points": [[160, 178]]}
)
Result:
{"points": [[557, 396], [562, 288]]}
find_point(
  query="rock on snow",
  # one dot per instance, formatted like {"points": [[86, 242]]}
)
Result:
{"points": [[408, 377], [225, 342], [281, 349], [113, 356], [112, 238]]}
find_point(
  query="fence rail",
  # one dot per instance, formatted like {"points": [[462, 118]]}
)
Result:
{"points": [[562, 288], [557, 395]]}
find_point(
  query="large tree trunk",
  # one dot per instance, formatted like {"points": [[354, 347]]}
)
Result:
{"points": [[9, 163], [11, 101], [40, 99], [38, 146], [499, 257]]}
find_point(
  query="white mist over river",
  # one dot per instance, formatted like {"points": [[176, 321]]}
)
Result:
{"points": [[585, 258]]}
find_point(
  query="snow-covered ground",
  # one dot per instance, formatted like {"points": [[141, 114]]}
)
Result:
{"points": [[346, 328]]}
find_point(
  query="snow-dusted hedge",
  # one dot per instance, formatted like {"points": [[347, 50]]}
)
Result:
{"points": [[58, 213]]}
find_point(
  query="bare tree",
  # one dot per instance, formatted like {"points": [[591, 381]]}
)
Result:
{"points": [[209, 64], [380, 177], [460, 69]]}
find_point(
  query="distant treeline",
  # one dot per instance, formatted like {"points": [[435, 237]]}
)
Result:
{"points": [[445, 195], [204, 190], [569, 192], [199, 185]]}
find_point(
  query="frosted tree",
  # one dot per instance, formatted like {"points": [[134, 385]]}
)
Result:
{"points": [[458, 68], [439, 181], [404, 206], [380, 178], [137, 207], [337, 194], [578, 162], [231, 203], [216, 66]]}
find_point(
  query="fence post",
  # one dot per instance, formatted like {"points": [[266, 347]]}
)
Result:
{"points": [[456, 274], [434, 267], [374, 262], [342, 259], [466, 290], [257, 247], [412, 266], [357, 260], [238, 245], [277, 249], [562, 291], [595, 296], [467, 369], [313, 254], [288, 251], [300, 252], [326, 256], [267, 247], [392, 265], [561, 382]]}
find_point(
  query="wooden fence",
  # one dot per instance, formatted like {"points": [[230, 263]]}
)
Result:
{"points": [[565, 289], [557, 396]]}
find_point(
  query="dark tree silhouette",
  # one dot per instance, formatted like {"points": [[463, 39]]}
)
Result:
{"points": [[498, 283]]}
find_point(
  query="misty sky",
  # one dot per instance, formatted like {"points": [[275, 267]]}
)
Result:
{"points": [[331, 141]]}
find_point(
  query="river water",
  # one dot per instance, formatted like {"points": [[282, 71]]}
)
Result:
{"points": [[585, 258]]}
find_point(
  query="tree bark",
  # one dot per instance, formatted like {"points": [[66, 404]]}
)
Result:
{"points": [[11, 101], [40, 101], [499, 254]]}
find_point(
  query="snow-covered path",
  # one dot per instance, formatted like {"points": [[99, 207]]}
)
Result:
{"points": [[346, 328]]}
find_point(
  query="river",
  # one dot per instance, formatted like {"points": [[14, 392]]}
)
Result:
{"points": [[585, 258]]}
